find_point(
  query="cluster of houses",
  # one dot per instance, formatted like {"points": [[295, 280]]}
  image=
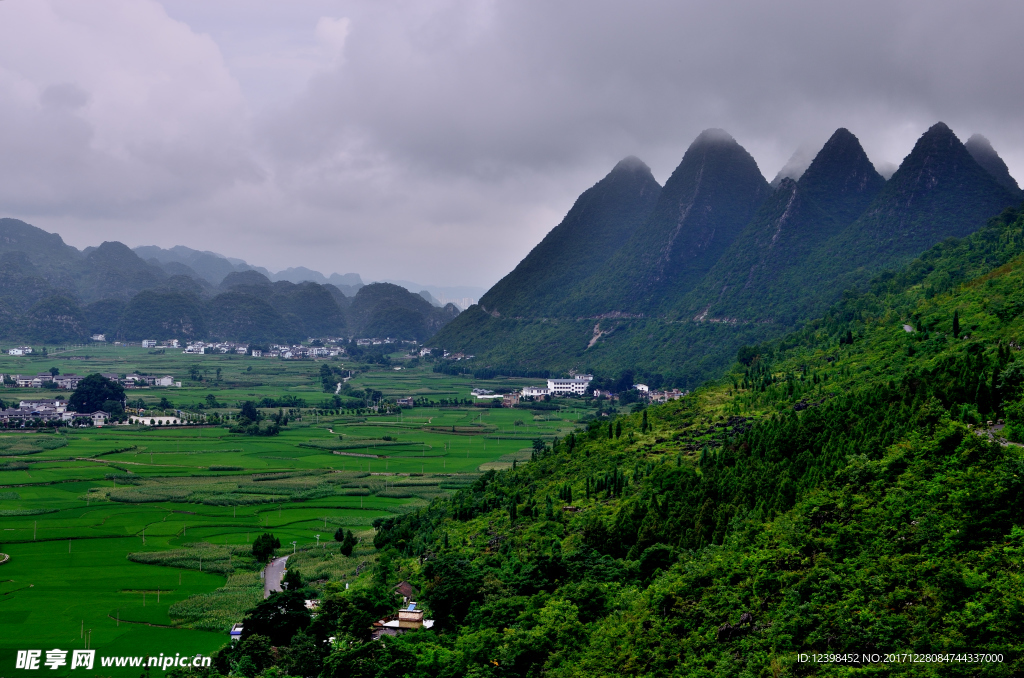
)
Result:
{"points": [[47, 411], [656, 396], [20, 350], [276, 350], [577, 385], [69, 382]]}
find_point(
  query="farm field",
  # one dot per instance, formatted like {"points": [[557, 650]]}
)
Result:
{"points": [[143, 535]]}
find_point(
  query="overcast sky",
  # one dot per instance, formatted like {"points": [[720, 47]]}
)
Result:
{"points": [[439, 141]]}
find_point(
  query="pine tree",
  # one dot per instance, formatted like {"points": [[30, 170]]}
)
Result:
{"points": [[349, 543], [956, 324]]}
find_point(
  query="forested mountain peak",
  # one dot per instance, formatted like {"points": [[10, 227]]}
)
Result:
{"points": [[112, 270], [602, 219], [938, 191], [981, 150], [705, 203], [46, 250], [841, 178], [631, 163]]}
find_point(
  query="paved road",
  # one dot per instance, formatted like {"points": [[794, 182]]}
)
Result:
{"points": [[272, 575]]}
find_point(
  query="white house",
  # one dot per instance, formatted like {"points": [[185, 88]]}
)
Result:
{"points": [[642, 388], [164, 381], [99, 337], [576, 386], [535, 392], [155, 420], [149, 343], [20, 350], [257, 353], [99, 417]]}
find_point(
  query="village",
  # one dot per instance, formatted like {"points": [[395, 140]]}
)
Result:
{"points": [[574, 386]]}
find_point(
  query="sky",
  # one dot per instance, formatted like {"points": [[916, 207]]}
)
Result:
{"points": [[440, 140]]}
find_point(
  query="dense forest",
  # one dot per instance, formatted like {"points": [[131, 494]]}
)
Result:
{"points": [[847, 489]]}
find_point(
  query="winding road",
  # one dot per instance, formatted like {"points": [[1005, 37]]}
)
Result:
{"points": [[272, 575]]}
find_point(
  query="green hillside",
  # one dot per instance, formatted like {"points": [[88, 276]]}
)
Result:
{"points": [[598, 225], [839, 492]]}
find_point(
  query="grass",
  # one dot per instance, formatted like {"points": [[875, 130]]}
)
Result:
{"points": [[140, 507]]}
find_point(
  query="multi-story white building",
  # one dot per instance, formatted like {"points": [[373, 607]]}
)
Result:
{"points": [[149, 343], [575, 386]]}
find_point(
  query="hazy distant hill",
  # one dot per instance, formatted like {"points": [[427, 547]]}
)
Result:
{"points": [[214, 267], [386, 310], [51, 292], [981, 150]]}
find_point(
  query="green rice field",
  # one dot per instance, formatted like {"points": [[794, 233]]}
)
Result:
{"points": [[136, 540]]}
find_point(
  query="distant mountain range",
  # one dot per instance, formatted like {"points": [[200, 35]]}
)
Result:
{"points": [[668, 282], [53, 293], [213, 267]]}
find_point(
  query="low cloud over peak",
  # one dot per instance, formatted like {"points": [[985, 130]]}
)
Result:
{"points": [[444, 138]]}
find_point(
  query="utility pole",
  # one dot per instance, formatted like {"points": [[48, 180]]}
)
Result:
{"points": [[293, 548]]}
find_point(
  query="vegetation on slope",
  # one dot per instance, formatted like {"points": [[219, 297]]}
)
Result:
{"points": [[840, 492]]}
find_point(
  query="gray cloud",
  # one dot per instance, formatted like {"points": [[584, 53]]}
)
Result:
{"points": [[440, 139]]}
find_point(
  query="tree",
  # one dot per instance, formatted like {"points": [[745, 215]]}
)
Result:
{"points": [[643, 424], [348, 543], [257, 649], [305, 656], [453, 583], [114, 407], [263, 547], [326, 378], [956, 324], [94, 392], [279, 617], [371, 660], [249, 411], [339, 534], [292, 580], [54, 371]]}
